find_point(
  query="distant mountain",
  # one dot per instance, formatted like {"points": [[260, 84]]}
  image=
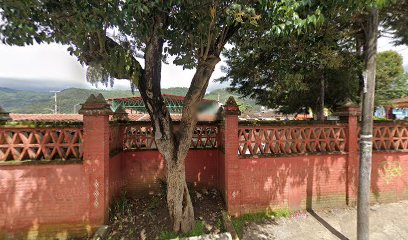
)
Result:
{"points": [[68, 100], [222, 95], [8, 90], [40, 85]]}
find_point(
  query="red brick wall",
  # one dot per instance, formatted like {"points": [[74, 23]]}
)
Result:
{"points": [[389, 177], [290, 182], [313, 181], [144, 169], [116, 178], [34, 197]]}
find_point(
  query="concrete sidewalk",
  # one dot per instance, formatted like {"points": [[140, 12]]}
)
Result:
{"points": [[387, 222]]}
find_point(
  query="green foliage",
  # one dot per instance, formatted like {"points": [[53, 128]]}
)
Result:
{"points": [[240, 222], [24, 101], [154, 202], [391, 82], [395, 18], [284, 72], [246, 104], [120, 206], [199, 229], [109, 35], [17, 101], [165, 235]]}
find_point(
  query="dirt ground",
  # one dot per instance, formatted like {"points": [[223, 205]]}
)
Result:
{"points": [[148, 218], [387, 222]]}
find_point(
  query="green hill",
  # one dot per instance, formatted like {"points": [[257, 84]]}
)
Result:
{"points": [[18, 101], [246, 104]]}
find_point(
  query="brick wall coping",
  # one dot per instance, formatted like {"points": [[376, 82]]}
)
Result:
{"points": [[292, 155], [126, 123], [389, 122], [39, 124], [40, 162], [289, 123]]}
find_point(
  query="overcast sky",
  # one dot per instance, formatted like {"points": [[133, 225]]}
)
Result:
{"points": [[49, 66]]}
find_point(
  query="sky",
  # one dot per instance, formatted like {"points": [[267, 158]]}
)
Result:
{"points": [[50, 67]]}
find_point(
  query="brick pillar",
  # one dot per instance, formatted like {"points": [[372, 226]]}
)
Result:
{"points": [[4, 116], [232, 188], [96, 113], [349, 113]]}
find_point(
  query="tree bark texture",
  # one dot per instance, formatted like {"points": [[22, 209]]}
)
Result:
{"points": [[178, 198], [363, 200], [320, 107], [173, 144]]}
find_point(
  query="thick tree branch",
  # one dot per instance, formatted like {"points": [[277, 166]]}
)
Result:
{"points": [[150, 90], [198, 87]]}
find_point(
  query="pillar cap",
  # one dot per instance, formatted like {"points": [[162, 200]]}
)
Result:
{"points": [[120, 114], [4, 116], [349, 108], [96, 106], [231, 107], [219, 114]]}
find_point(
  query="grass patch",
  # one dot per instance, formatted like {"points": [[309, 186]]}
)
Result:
{"points": [[197, 231], [240, 222], [164, 235], [154, 202], [120, 206], [282, 212], [220, 224]]}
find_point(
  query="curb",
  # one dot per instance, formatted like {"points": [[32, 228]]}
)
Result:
{"points": [[221, 236], [228, 226], [101, 233]]}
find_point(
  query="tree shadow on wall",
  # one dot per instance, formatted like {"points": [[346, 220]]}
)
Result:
{"points": [[309, 202], [297, 181], [45, 201]]}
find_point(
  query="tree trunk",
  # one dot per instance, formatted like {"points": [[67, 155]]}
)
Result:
{"points": [[363, 200], [178, 198], [174, 144], [320, 106]]}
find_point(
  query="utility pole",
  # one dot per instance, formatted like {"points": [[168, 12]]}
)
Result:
{"points": [[366, 145], [75, 111], [55, 101]]}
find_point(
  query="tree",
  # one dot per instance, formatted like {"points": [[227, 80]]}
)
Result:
{"points": [[108, 36], [389, 72], [291, 73], [395, 19]]}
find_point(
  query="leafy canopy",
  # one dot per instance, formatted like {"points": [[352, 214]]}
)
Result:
{"points": [[108, 35], [285, 71], [389, 77]]}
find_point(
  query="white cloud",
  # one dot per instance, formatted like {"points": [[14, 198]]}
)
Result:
{"points": [[385, 43], [51, 64]]}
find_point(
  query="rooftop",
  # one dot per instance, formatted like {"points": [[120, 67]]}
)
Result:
{"points": [[174, 103], [79, 118]]}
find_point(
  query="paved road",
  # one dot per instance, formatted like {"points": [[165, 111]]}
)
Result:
{"points": [[387, 222]]}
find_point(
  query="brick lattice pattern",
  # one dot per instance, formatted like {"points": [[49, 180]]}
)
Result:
{"points": [[141, 137], [285, 140], [40, 144], [390, 137]]}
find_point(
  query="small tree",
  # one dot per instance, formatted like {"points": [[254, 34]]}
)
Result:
{"points": [[292, 73], [108, 36], [389, 72]]}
